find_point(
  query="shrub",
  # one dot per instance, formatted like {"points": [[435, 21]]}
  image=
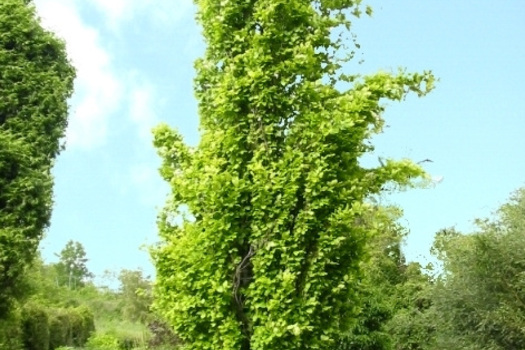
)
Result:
{"points": [[102, 342], [70, 327], [82, 325], [59, 329], [129, 335], [11, 331], [35, 327]]}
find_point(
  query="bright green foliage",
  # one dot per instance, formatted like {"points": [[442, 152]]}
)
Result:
{"points": [[35, 81], [103, 342], [71, 269], [481, 297], [268, 248], [42, 284]]}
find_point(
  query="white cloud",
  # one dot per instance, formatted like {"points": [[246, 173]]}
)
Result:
{"points": [[100, 92], [97, 89]]}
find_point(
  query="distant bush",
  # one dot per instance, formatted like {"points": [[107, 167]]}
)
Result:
{"points": [[129, 342], [129, 335], [59, 330], [35, 327], [11, 331], [70, 327], [82, 325], [102, 342], [50, 329]]}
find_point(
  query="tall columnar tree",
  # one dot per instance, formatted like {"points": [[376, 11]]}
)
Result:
{"points": [[36, 79], [263, 232]]}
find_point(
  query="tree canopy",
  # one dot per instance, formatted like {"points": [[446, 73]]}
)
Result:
{"points": [[264, 232], [71, 268], [36, 80], [481, 295]]}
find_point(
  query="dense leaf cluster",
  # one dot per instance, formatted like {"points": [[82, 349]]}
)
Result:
{"points": [[264, 230], [36, 79]]}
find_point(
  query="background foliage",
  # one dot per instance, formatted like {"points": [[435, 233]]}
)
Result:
{"points": [[480, 297], [56, 317]]}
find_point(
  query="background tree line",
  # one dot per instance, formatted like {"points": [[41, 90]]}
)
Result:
{"points": [[472, 300], [57, 313]]}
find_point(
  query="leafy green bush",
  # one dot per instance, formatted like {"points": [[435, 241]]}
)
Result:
{"points": [[130, 342], [59, 330], [49, 329], [102, 342], [82, 325], [129, 334], [11, 331], [134, 337], [35, 326], [480, 296], [70, 327]]}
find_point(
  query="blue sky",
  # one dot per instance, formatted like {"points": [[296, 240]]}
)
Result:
{"points": [[135, 69]]}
